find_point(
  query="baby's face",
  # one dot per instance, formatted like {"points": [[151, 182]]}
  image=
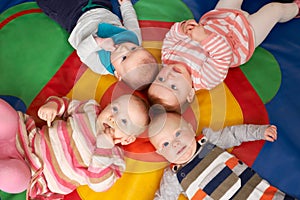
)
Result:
{"points": [[126, 57], [122, 119], [173, 85], [175, 139]]}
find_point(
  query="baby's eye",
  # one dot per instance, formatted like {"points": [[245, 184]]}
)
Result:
{"points": [[124, 58], [173, 87], [177, 134], [115, 109], [133, 48], [161, 79], [124, 121], [165, 144]]}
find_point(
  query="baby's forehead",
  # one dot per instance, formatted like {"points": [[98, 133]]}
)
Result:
{"points": [[127, 102], [124, 99], [166, 123]]}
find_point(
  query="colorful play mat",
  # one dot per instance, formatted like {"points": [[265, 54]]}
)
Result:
{"points": [[36, 61]]}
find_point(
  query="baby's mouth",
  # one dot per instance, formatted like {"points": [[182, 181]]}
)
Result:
{"points": [[105, 125], [181, 150], [108, 129]]}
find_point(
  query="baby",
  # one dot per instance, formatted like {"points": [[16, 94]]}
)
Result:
{"points": [[201, 168], [77, 149], [201, 53], [102, 42]]}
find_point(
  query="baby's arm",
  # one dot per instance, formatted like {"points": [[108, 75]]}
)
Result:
{"points": [[174, 35], [130, 20], [234, 135], [107, 164], [169, 186], [54, 106]]}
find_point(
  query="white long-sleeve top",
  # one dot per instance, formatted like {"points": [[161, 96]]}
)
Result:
{"points": [[82, 36]]}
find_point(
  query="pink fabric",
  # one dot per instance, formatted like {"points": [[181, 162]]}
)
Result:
{"points": [[14, 173]]}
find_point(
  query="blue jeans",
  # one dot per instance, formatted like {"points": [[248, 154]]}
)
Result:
{"points": [[67, 12]]}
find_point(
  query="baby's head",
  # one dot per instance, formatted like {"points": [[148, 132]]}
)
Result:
{"points": [[172, 137], [124, 119], [133, 64], [172, 88]]}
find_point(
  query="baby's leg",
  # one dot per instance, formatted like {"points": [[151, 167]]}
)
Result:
{"points": [[14, 172], [265, 18], [14, 175], [8, 121], [67, 12], [232, 4]]}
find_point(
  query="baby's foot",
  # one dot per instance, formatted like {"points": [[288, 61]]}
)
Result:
{"points": [[298, 4], [284, 1]]}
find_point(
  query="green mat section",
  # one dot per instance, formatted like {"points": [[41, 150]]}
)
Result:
{"points": [[263, 72], [33, 47], [169, 10], [5, 196]]}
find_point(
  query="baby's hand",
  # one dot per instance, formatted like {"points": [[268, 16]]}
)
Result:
{"points": [[106, 43], [105, 141], [48, 112], [122, 1], [271, 133], [188, 25]]}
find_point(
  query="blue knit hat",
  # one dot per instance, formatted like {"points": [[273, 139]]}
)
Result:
{"points": [[118, 35]]}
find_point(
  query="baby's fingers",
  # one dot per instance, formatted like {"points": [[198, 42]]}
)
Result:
{"points": [[42, 114], [122, 1], [191, 22], [271, 136], [50, 117]]}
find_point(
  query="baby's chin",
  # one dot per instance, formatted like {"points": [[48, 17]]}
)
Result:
{"points": [[185, 157]]}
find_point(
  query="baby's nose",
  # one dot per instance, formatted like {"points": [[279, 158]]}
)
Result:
{"points": [[176, 143], [111, 119]]}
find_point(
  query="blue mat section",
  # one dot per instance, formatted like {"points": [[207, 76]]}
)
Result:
{"points": [[5, 4], [283, 156], [278, 162], [15, 102]]}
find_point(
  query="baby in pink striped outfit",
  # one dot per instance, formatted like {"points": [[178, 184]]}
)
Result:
{"points": [[77, 149], [198, 56]]}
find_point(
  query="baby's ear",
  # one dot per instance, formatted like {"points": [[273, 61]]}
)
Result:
{"points": [[117, 75], [191, 96], [129, 140]]}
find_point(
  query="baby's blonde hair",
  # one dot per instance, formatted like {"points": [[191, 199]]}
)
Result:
{"points": [[144, 106]]}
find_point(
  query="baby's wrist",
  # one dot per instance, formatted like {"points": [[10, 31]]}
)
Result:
{"points": [[104, 141], [125, 3]]}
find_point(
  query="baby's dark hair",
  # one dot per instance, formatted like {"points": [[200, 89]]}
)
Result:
{"points": [[154, 99], [142, 76]]}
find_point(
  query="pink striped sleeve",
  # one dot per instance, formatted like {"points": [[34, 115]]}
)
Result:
{"points": [[215, 67], [106, 167], [172, 37]]}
